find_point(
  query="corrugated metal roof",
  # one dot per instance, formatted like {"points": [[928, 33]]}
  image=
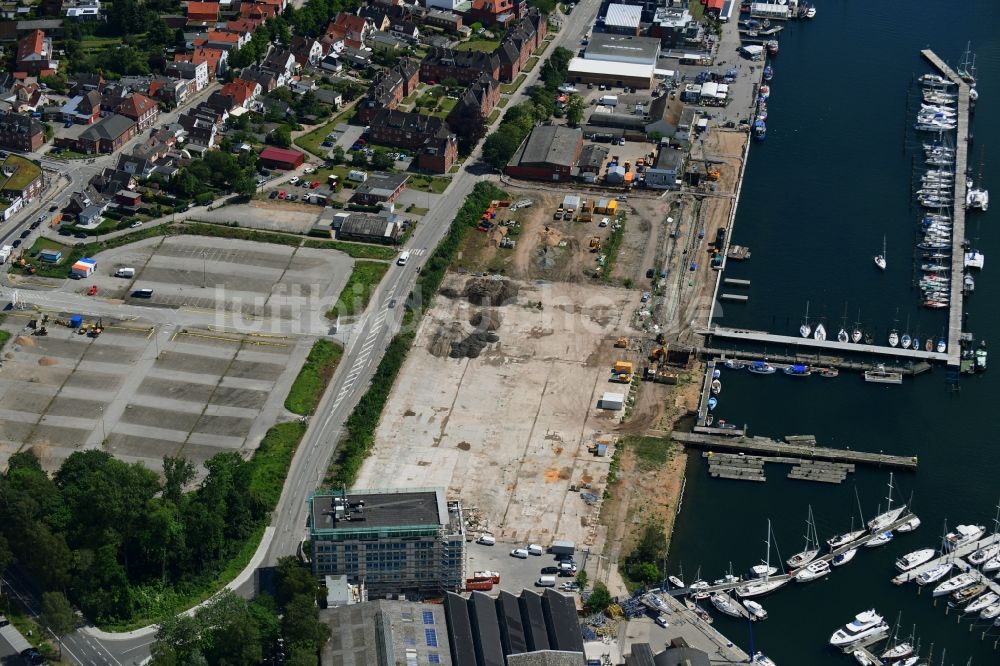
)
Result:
{"points": [[622, 70], [623, 16]]}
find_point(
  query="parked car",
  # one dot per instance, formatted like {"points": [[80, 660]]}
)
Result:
{"points": [[550, 570], [135, 225], [16, 243], [282, 194], [92, 290], [645, 297], [314, 184], [25, 233], [273, 194], [487, 540], [80, 235], [309, 169], [650, 274], [519, 553], [53, 209], [36, 224]]}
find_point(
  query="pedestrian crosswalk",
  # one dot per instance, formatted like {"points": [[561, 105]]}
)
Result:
{"points": [[371, 330]]}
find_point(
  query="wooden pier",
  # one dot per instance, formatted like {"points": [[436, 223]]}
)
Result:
{"points": [[736, 282], [741, 467], [817, 360], [770, 447], [823, 345], [735, 298], [706, 393], [958, 214]]}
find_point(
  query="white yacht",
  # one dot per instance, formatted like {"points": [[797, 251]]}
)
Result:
{"points": [[880, 539], [914, 522], [675, 581], [913, 560], [982, 603], [756, 611], [844, 539], [762, 570], [954, 583], [897, 651], [992, 565], [820, 332], [844, 558], [984, 554], [760, 660], [864, 625], [883, 520], [814, 570], [963, 534], [726, 604], [811, 549], [991, 612], [935, 574]]}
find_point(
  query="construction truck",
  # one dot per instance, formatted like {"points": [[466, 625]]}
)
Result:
{"points": [[595, 244]]}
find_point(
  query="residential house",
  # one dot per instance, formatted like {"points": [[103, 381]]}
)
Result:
{"points": [[110, 181], [82, 109], [243, 92], [172, 91], [84, 10], [244, 26], [333, 41], [20, 132], [307, 51], [202, 12], [406, 30], [189, 71], [227, 41], [356, 28], [332, 64], [382, 42], [437, 146], [34, 54], [495, 12], [446, 20], [51, 27], [388, 88], [513, 53], [281, 63], [331, 97], [85, 82], [267, 80], [107, 135], [463, 66], [479, 98], [136, 166], [214, 59], [26, 97], [141, 109], [353, 58], [380, 188], [379, 16], [202, 126], [439, 153]]}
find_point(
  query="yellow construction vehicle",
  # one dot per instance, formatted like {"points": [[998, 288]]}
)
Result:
{"points": [[658, 354], [622, 372], [595, 244]]}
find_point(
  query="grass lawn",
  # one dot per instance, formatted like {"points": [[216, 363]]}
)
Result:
{"points": [[485, 45], [65, 154], [25, 171], [502, 102], [358, 290], [511, 87], [93, 43], [423, 183], [312, 141], [414, 209], [313, 377], [697, 10], [531, 64], [541, 49], [444, 107], [493, 117], [355, 250]]}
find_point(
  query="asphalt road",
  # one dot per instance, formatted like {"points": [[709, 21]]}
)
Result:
{"points": [[365, 342]]}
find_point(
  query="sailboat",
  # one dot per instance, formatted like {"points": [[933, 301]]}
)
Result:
{"points": [[842, 335], [905, 341], [764, 584], [883, 520], [990, 550], [893, 338], [880, 258], [820, 332], [856, 333], [812, 545], [851, 536], [805, 329], [967, 67], [757, 658]]}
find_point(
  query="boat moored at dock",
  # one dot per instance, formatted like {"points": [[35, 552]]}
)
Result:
{"points": [[864, 625]]}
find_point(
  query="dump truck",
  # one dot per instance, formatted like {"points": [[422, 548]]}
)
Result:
{"points": [[622, 372], [595, 244]]}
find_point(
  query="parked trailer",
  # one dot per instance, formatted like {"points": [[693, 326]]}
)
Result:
{"points": [[562, 548], [14, 637]]}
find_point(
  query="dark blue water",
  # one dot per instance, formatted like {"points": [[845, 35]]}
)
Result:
{"points": [[832, 179]]}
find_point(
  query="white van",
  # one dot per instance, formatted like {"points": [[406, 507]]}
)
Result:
{"points": [[535, 549], [546, 581], [519, 553], [125, 272], [487, 540], [403, 258]]}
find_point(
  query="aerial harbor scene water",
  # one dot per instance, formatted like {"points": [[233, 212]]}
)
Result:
{"points": [[848, 205]]}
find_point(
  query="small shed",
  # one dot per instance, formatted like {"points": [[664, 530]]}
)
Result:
{"points": [[612, 401], [571, 201], [615, 175], [83, 268], [50, 256], [281, 158]]}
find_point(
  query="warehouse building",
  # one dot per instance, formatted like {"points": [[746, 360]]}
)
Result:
{"points": [[386, 632], [281, 158], [529, 628], [620, 74], [623, 19], [666, 172], [383, 227], [379, 188], [393, 541], [549, 153], [623, 49]]}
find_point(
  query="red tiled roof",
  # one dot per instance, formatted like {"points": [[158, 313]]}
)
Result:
{"points": [[224, 37], [350, 22], [243, 25], [154, 88], [716, 4], [31, 44], [280, 154], [239, 90], [203, 9], [135, 106]]}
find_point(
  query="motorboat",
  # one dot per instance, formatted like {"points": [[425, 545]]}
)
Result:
{"points": [[893, 338], [977, 198], [982, 603], [880, 258], [984, 554], [992, 565], [935, 573], [799, 370], [914, 522], [698, 589], [726, 604], [962, 535], [756, 611], [862, 658], [768, 72], [864, 625], [716, 386], [844, 539], [879, 375], [760, 660], [880, 539], [759, 130], [820, 332], [713, 402], [811, 550], [913, 560], [765, 91], [916, 346], [762, 368], [814, 570], [843, 558], [733, 364], [954, 584], [883, 520], [761, 570], [675, 581], [905, 341], [772, 47], [990, 612], [967, 594], [935, 80], [829, 372]]}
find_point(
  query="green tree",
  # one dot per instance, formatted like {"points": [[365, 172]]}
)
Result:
{"points": [[574, 110], [646, 572], [581, 578], [599, 599], [178, 642], [359, 159], [301, 655], [382, 160], [230, 634], [159, 32], [57, 613], [337, 157], [469, 126], [280, 136], [500, 147], [300, 624], [293, 580], [178, 472]]}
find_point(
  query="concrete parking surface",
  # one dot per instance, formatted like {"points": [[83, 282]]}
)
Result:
{"points": [[509, 432]]}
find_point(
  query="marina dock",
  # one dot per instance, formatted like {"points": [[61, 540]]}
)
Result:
{"points": [[832, 345], [955, 556], [781, 360], [958, 215], [696, 631], [793, 449], [706, 393]]}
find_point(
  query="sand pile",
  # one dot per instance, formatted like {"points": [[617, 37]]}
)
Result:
{"points": [[493, 290], [473, 345], [444, 337], [47, 360], [25, 341], [486, 320], [549, 236]]}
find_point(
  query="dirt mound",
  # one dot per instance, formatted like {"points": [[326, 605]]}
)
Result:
{"points": [[493, 290], [550, 237], [25, 341], [47, 360], [444, 337], [473, 345], [486, 320]]}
